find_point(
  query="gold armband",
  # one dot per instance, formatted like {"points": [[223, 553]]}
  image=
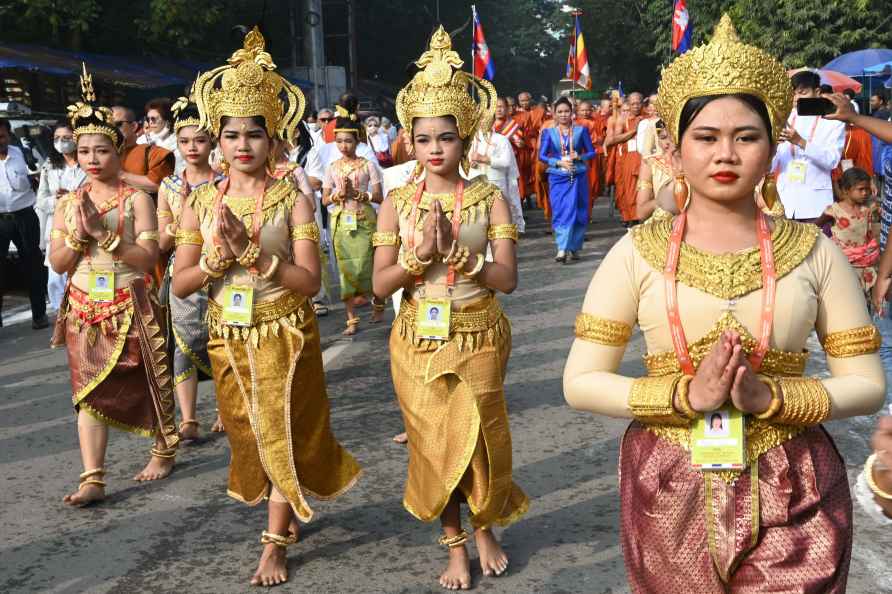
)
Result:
{"points": [[187, 237], [643, 184], [388, 238], [805, 402], [502, 232], [305, 231], [165, 213], [149, 236], [854, 342], [602, 331], [58, 234], [651, 400]]}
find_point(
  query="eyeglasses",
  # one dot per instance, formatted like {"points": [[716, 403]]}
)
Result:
{"points": [[324, 119], [153, 119]]}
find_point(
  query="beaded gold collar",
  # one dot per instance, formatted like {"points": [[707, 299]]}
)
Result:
{"points": [[727, 276], [279, 199]]}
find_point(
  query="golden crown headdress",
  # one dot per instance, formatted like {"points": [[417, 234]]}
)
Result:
{"points": [[249, 86], [185, 113], [441, 88], [724, 66], [87, 118]]}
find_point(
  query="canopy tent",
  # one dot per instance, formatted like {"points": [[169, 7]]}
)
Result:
{"points": [[840, 82], [856, 63]]}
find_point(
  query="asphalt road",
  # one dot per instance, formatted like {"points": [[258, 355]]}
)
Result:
{"points": [[185, 535]]}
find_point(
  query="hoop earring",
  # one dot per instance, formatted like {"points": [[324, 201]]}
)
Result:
{"points": [[682, 193], [770, 195]]}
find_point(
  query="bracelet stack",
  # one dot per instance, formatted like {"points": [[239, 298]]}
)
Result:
{"points": [[250, 255], [684, 402], [776, 400], [458, 257], [76, 244], [208, 269], [409, 261], [110, 242]]}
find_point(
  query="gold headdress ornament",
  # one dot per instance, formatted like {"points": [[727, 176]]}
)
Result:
{"points": [[724, 66], [442, 89], [86, 118], [185, 113], [249, 86]]}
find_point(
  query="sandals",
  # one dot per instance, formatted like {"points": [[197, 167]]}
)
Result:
{"points": [[320, 309], [352, 324]]}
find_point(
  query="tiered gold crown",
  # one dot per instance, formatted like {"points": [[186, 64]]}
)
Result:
{"points": [[87, 118], [724, 66], [442, 89], [249, 86], [185, 113]]}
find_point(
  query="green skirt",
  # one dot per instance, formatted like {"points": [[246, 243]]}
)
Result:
{"points": [[353, 249]]}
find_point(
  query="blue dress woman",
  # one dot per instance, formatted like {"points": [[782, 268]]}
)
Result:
{"points": [[566, 149]]}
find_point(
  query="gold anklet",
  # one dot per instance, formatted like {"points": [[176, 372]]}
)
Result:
{"points": [[454, 541], [277, 539]]}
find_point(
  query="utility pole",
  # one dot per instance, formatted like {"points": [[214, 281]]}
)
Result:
{"points": [[314, 49], [351, 44]]}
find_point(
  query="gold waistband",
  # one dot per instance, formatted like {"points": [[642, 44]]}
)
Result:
{"points": [[267, 317], [761, 436], [470, 326]]}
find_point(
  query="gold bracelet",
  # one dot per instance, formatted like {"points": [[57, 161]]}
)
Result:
{"points": [[305, 231], [250, 255], [684, 402], [187, 237], [165, 213], [451, 253], [496, 232], [453, 541], [149, 236], [419, 260], [216, 262], [58, 234], [205, 268], [111, 242], [458, 258], [805, 402], [871, 481], [74, 244], [481, 260], [776, 400], [410, 263], [388, 238], [274, 265], [169, 230]]}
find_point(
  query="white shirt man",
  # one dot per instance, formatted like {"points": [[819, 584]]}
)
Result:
{"points": [[15, 187]]}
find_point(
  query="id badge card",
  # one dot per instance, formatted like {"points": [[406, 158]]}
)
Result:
{"points": [[432, 319], [717, 440], [847, 164], [348, 220], [101, 287], [238, 305], [796, 171]]}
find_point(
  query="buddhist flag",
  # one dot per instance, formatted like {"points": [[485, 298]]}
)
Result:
{"points": [[577, 61], [483, 65], [682, 28]]}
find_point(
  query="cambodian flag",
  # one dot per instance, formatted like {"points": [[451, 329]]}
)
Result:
{"points": [[483, 65], [682, 28]]}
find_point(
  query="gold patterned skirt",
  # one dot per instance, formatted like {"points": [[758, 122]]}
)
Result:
{"points": [[271, 394], [453, 403]]}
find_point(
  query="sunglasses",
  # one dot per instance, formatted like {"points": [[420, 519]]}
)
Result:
{"points": [[325, 119], [153, 119]]}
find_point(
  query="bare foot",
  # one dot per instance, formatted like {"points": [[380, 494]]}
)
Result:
{"points": [[401, 437], [273, 567], [156, 469], [493, 560], [217, 427], [189, 430], [377, 314], [85, 495], [457, 575], [294, 528]]}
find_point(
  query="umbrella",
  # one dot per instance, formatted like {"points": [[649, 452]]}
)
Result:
{"points": [[855, 63], [840, 82]]}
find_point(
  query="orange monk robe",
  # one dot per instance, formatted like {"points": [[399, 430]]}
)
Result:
{"points": [[858, 150], [541, 177], [592, 172], [398, 149], [628, 164], [599, 163], [526, 157], [328, 131]]}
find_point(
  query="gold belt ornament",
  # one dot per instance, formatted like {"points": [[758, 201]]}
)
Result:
{"points": [[469, 328], [267, 318]]}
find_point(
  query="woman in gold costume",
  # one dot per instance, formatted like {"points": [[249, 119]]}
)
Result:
{"points": [[748, 290], [105, 236], [654, 201], [187, 335], [450, 342], [252, 240]]}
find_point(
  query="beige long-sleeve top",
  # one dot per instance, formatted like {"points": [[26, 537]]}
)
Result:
{"points": [[817, 290]]}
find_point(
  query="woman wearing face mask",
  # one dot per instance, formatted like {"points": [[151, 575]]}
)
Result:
{"points": [[351, 185], [432, 238], [187, 330], [726, 297], [59, 175], [252, 241], [105, 236], [567, 149], [379, 141]]}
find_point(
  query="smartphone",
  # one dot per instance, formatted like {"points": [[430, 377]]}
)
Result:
{"points": [[817, 106]]}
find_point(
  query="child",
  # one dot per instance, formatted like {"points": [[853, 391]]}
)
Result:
{"points": [[854, 225]]}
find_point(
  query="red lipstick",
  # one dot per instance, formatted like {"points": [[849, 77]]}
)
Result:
{"points": [[435, 161], [725, 177], [245, 158]]}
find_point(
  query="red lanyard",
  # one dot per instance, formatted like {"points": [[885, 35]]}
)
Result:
{"points": [[769, 288], [257, 219], [120, 197], [814, 127], [456, 226]]}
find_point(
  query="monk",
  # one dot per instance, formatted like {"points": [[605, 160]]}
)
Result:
{"points": [[399, 149], [599, 163], [541, 174], [857, 152], [585, 118], [512, 106], [526, 159], [621, 132], [508, 127]]}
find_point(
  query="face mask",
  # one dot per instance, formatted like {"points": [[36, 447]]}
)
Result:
{"points": [[65, 146], [313, 126]]}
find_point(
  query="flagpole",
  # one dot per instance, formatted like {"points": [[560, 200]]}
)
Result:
{"points": [[576, 14]]}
